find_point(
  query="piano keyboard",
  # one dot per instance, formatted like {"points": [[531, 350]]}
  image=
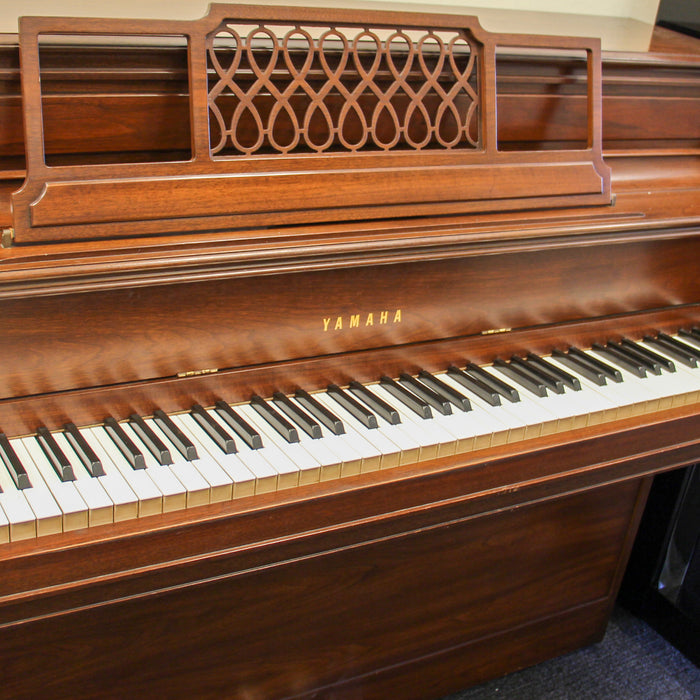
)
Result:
{"points": [[78, 478]]}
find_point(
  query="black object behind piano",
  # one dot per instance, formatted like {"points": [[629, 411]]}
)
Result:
{"points": [[662, 583]]}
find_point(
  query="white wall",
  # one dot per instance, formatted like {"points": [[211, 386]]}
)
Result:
{"points": [[623, 25]]}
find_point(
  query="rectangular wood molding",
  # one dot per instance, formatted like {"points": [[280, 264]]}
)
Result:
{"points": [[299, 115]]}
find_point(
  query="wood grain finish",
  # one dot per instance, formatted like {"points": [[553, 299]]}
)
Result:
{"points": [[338, 610], [409, 582], [410, 165], [173, 328]]}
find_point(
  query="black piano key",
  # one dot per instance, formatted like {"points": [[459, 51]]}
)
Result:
{"points": [[377, 405], [353, 406], [85, 453], [568, 379], [678, 354], [476, 386], [320, 412], [242, 428], [621, 359], [154, 444], [424, 392], [182, 443], [298, 415], [584, 369], [278, 422], [660, 361], [551, 382], [446, 391], [407, 398], [11, 461], [55, 455], [498, 385], [691, 336], [124, 443], [694, 352], [606, 369], [649, 365], [525, 379], [215, 431]]}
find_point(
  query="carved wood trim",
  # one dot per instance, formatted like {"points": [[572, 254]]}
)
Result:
{"points": [[301, 115]]}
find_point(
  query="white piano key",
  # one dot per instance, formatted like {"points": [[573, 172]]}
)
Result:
{"points": [[425, 431], [599, 406], [173, 493], [244, 481], [409, 446], [566, 411], [21, 518], [389, 451], [489, 425], [320, 450], [683, 385], [128, 502], [4, 527], [292, 461], [462, 427], [253, 460], [657, 388], [532, 409], [99, 504], [196, 487], [634, 395], [350, 458], [275, 451], [470, 429], [75, 512], [352, 444], [220, 483], [49, 518]]}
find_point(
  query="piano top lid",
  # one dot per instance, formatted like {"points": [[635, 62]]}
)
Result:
{"points": [[300, 115]]}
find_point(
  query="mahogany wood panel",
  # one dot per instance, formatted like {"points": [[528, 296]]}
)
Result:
{"points": [[142, 82], [543, 96], [281, 195], [61, 342], [233, 180], [295, 626]]}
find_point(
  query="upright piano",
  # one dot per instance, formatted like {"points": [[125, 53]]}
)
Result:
{"points": [[338, 349]]}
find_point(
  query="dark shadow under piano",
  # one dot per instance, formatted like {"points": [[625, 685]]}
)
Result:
{"points": [[632, 662]]}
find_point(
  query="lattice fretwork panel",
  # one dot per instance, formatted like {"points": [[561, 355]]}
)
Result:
{"points": [[297, 88]]}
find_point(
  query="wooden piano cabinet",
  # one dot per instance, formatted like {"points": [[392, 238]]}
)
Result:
{"points": [[405, 606], [408, 582]]}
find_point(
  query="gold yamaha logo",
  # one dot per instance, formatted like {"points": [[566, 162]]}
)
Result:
{"points": [[373, 318]]}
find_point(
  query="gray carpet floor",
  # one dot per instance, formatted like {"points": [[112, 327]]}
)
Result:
{"points": [[632, 662]]}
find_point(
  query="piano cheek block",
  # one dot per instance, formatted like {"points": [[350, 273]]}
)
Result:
{"points": [[319, 378]]}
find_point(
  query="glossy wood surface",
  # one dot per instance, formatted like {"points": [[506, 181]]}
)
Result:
{"points": [[341, 608], [231, 177], [408, 582], [224, 323]]}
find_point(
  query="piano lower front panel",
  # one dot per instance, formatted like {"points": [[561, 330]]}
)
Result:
{"points": [[408, 606]]}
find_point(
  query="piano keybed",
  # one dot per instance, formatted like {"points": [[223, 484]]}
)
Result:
{"points": [[70, 479]]}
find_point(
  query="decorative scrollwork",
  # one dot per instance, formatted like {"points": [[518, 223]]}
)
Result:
{"points": [[307, 88]]}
